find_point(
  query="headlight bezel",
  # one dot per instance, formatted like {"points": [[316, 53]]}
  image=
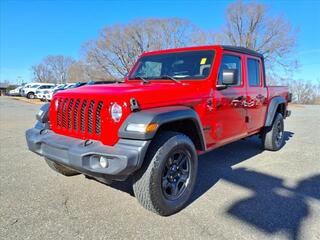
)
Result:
{"points": [[116, 112]]}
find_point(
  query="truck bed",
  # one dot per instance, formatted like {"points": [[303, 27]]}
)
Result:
{"points": [[274, 91]]}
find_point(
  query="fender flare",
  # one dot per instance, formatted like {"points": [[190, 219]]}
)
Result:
{"points": [[272, 108], [160, 116]]}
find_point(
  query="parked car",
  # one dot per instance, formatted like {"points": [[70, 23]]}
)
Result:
{"points": [[49, 92], [29, 90], [174, 105], [76, 85], [27, 85], [16, 91], [40, 93]]}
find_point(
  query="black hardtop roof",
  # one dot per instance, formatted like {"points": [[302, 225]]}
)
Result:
{"points": [[242, 50]]}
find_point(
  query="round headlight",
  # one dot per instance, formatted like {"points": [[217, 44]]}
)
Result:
{"points": [[116, 112]]}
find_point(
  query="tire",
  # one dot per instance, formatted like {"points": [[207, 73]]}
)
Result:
{"points": [[31, 95], [166, 181], [61, 169], [273, 137]]}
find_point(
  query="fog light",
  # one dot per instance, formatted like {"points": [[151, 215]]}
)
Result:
{"points": [[103, 162]]}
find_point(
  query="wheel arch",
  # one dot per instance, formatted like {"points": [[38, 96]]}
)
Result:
{"points": [[175, 118], [276, 105]]}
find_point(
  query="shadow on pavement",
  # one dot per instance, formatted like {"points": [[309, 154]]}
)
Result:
{"points": [[216, 164], [273, 207]]}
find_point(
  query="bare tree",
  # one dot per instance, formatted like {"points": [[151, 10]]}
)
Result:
{"points": [[78, 72], [304, 92], [118, 46], [59, 66], [250, 25], [53, 69], [42, 73]]}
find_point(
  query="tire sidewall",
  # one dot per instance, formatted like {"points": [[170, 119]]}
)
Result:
{"points": [[30, 95], [173, 144], [278, 119]]}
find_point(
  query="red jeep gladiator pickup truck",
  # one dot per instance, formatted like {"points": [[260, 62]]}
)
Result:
{"points": [[173, 105]]}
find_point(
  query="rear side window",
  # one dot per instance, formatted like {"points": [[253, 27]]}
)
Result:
{"points": [[253, 72], [230, 62]]}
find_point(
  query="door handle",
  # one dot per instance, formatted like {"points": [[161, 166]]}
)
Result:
{"points": [[238, 101], [240, 98]]}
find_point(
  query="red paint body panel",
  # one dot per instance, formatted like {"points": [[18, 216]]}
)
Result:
{"points": [[219, 111]]}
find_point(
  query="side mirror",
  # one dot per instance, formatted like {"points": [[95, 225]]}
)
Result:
{"points": [[229, 77]]}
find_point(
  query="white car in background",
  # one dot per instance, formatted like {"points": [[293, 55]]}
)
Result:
{"points": [[15, 92], [49, 92], [29, 90], [40, 93]]}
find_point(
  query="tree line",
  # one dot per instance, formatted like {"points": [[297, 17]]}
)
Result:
{"points": [[110, 56]]}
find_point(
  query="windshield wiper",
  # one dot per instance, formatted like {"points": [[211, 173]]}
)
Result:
{"points": [[139, 77], [169, 77]]}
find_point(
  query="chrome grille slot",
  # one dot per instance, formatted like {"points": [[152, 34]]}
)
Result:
{"points": [[70, 114], [98, 118], [82, 115], [64, 108], [75, 116], [90, 116]]}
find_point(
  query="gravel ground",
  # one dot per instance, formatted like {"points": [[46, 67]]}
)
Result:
{"points": [[241, 193]]}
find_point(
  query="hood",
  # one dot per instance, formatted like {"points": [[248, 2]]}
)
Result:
{"points": [[148, 95]]}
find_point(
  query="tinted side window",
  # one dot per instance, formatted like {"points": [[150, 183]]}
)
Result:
{"points": [[230, 62], [253, 72]]}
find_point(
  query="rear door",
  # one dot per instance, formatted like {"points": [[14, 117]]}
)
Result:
{"points": [[230, 113], [255, 103]]}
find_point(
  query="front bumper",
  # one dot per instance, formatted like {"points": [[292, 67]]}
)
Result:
{"points": [[83, 156]]}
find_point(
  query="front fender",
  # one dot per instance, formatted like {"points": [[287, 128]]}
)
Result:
{"points": [[159, 116]]}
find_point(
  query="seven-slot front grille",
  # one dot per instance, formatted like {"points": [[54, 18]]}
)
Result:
{"points": [[82, 116]]}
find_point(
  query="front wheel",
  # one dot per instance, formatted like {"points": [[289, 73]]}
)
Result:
{"points": [[273, 137], [31, 95], [166, 182]]}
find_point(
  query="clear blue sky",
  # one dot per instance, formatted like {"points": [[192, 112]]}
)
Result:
{"points": [[31, 30]]}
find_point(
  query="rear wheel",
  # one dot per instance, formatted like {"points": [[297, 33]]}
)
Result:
{"points": [[165, 185], [273, 137], [61, 169]]}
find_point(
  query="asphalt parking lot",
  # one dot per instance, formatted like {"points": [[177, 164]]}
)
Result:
{"points": [[242, 192]]}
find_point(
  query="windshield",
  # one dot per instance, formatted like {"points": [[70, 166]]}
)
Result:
{"points": [[182, 65]]}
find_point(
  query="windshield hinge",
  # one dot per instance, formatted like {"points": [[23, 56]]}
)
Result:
{"points": [[134, 105]]}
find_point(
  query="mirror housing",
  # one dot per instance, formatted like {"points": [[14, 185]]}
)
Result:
{"points": [[229, 76]]}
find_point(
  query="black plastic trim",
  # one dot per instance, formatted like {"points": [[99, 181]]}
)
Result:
{"points": [[242, 50], [273, 105], [124, 158], [160, 116]]}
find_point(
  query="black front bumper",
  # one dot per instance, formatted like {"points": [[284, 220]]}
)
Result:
{"points": [[124, 158]]}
